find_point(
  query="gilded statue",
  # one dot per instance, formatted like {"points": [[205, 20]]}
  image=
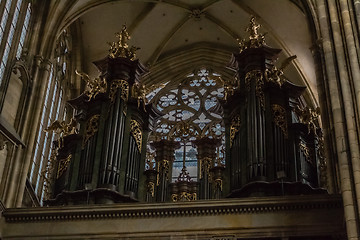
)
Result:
{"points": [[140, 91], [121, 47], [256, 39], [276, 75], [93, 86], [229, 87], [63, 128], [308, 117]]}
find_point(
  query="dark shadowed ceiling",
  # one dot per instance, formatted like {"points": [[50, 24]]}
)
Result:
{"points": [[177, 35]]}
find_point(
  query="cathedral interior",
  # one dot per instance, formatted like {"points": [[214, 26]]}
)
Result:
{"points": [[180, 119]]}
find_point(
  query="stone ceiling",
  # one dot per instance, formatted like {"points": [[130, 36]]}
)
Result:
{"points": [[166, 30]]}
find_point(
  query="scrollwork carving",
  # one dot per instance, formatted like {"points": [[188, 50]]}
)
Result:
{"points": [[183, 196], [136, 131], [92, 126], [204, 167], [151, 188], [257, 76], [164, 167], [63, 165], [308, 153], [115, 85], [234, 128], [280, 120]]}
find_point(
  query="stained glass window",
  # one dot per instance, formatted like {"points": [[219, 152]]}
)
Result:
{"points": [[193, 102]]}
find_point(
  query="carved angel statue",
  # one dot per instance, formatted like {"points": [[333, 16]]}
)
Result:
{"points": [[123, 37], [63, 128], [93, 86], [140, 92], [112, 50], [229, 87], [308, 116], [252, 29], [275, 74]]}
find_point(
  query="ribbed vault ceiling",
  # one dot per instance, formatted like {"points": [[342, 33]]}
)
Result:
{"points": [[177, 35]]}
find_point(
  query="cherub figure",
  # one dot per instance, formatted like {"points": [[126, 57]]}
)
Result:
{"points": [[63, 128], [93, 86], [309, 117], [252, 29]]}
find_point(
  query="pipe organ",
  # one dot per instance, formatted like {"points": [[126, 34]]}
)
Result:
{"points": [[273, 144]]}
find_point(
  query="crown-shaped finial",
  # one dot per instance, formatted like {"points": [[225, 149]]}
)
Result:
{"points": [[121, 47]]}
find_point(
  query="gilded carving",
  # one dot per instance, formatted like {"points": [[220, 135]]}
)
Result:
{"points": [[276, 75], [204, 167], [149, 159], [218, 183], [308, 153], [259, 84], [256, 39], [93, 86], [229, 87], [140, 91], [151, 188], [123, 85], [308, 117], [279, 116], [183, 196], [48, 172], [163, 166], [234, 128], [63, 128], [136, 132], [92, 126], [121, 48], [63, 165]]}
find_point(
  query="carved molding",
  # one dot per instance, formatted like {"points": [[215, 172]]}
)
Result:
{"points": [[197, 208]]}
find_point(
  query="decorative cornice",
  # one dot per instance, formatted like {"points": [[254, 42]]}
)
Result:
{"points": [[198, 208]]}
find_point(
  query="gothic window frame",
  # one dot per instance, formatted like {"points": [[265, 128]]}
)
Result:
{"points": [[214, 80], [53, 108], [14, 15]]}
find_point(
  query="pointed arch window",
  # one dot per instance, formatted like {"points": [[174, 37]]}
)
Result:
{"points": [[53, 109], [14, 24]]}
